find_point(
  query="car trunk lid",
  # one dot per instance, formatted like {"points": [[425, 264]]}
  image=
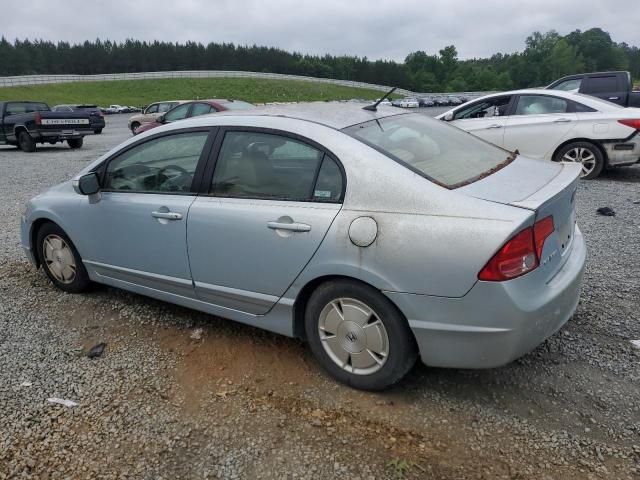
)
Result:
{"points": [[546, 188]]}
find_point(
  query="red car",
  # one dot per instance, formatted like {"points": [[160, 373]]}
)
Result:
{"points": [[194, 109]]}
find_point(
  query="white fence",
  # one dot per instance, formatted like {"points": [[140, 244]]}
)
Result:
{"points": [[44, 79]]}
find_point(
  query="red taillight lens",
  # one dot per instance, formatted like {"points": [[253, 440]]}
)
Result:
{"points": [[541, 230], [519, 255], [38, 118], [633, 123]]}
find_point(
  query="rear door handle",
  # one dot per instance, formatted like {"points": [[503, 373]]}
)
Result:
{"points": [[294, 227], [495, 125], [167, 215], [562, 120]]}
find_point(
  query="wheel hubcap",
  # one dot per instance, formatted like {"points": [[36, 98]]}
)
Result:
{"points": [[584, 156], [353, 336], [59, 259]]}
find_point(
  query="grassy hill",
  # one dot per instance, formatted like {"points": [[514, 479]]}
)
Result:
{"points": [[142, 92]]}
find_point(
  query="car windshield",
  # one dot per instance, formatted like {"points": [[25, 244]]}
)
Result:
{"points": [[238, 105], [442, 153]]}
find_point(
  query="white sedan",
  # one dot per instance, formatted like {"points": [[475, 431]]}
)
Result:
{"points": [[558, 126]]}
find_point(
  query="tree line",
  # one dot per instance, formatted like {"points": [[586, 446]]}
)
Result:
{"points": [[546, 57]]}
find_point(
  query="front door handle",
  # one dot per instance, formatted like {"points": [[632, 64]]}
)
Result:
{"points": [[562, 120], [167, 215], [614, 98], [294, 227], [495, 125]]}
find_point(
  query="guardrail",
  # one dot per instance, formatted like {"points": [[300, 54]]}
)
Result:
{"points": [[45, 79]]}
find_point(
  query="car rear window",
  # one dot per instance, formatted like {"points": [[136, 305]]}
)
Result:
{"points": [[442, 153], [16, 108]]}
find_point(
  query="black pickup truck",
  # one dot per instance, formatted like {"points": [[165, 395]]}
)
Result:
{"points": [[25, 124], [615, 87]]}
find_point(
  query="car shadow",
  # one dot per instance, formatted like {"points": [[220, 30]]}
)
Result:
{"points": [[622, 174]]}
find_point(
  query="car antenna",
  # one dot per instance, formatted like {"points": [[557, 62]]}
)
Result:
{"points": [[374, 107]]}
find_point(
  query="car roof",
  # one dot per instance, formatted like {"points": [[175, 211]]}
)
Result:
{"points": [[336, 115]]}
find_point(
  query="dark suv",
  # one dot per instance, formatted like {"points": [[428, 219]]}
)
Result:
{"points": [[96, 117]]}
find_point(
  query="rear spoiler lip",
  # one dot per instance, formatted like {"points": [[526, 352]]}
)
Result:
{"points": [[569, 174]]}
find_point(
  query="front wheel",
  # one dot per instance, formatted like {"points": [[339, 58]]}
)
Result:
{"points": [[358, 335], [75, 143], [60, 259], [584, 153], [134, 127]]}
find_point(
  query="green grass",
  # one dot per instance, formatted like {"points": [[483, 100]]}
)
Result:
{"points": [[142, 92]]}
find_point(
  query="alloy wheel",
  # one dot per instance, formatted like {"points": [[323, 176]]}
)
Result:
{"points": [[583, 156]]}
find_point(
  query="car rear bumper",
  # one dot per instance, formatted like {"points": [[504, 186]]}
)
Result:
{"points": [[624, 152], [61, 134], [495, 322]]}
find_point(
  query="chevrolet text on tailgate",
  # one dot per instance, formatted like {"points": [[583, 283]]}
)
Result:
{"points": [[25, 124]]}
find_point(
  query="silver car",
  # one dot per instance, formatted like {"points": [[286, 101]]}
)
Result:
{"points": [[377, 236]]}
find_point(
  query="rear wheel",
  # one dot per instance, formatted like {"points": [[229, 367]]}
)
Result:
{"points": [[98, 131], [584, 153], [358, 335], [60, 259], [25, 142], [75, 143]]}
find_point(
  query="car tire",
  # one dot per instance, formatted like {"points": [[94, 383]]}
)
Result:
{"points": [[98, 131], [75, 143], [25, 142], [60, 259], [134, 126], [373, 347], [585, 153]]}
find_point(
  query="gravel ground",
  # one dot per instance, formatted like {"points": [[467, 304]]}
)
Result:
{"points": [[179, 394]]}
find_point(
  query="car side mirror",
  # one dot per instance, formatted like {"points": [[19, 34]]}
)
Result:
{"points": [[161, 119], [88, 184], [448, 117]]}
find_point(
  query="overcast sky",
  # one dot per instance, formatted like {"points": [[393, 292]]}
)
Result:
{"points": [[388, 29]]}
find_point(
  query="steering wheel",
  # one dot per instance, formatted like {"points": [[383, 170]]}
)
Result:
{"points": [[177, 168]]}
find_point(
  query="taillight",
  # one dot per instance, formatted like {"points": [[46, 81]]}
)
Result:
{"points": [[633, 123], [520, 255], [38, 118]]}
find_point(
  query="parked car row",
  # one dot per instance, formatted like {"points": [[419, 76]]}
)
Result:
{"points": [[430, 101], [110, 110]]}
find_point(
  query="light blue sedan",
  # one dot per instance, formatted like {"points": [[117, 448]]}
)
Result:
{"points": [[377, 236]]}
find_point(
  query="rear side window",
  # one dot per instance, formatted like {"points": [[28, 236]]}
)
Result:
{"points": [[201, 109], [569, 85], [602, 84], [540, 104], [440, 152], [274, 167], [579, 107]]}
